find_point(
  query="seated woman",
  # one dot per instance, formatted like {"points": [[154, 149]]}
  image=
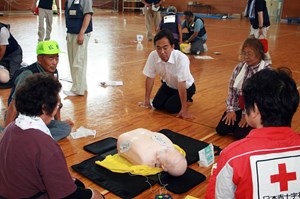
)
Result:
{"points": [[32, 165], [233, 120], [144, 147]]}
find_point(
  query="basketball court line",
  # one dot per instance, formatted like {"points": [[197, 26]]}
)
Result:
{"points": [[208, 136]]}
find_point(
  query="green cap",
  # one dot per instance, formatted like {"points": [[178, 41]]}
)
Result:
{"points": [[47, 48]]}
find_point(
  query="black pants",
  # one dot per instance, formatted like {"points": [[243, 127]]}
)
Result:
{"points": [[168, 98], [176, 44], [235, 130]]}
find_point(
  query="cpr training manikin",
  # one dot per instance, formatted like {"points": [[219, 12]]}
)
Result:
{"points": [[144, 147]]}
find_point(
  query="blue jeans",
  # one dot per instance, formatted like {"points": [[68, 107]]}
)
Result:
{"points": [[59, 129]]}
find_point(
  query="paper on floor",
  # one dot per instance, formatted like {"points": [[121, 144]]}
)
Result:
{"points": [[203, 57], [83, 132], [67, 79], [110, 83]]}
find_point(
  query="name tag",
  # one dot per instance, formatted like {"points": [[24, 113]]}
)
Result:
{"points": [[72, 12], [169, 19]]}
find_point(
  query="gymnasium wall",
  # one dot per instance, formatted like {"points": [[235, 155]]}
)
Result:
{"points": [[26, 5], [291, 8], [218, 6]]}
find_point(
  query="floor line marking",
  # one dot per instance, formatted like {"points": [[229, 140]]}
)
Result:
{"points": [[208, 136]]}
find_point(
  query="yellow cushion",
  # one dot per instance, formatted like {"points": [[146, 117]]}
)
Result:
{"points": [[185, 48], [118, 164]]}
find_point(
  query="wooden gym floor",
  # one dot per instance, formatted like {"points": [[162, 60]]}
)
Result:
{"points": [[113, 54]]}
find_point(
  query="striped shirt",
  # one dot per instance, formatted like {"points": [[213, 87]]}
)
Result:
{"points": [[232, 102]]}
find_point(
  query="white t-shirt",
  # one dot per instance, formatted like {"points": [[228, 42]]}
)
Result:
{"points": [[176, 69], [4, 36]]}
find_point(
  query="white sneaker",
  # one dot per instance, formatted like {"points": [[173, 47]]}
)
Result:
{"points": [[205, 47], [70, 93]]}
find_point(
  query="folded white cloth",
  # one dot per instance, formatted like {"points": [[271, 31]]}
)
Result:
{"points": [[83, 132]]}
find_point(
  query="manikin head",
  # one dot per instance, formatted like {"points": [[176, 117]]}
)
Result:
{"points": [[172, 161]]}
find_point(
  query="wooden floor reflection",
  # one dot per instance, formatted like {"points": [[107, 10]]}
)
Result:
{"points": [[113, 54]]}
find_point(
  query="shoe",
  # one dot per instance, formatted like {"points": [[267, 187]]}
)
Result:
{"points": [[205, 48], [70, 93]]}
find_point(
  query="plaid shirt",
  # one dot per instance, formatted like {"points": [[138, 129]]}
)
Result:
{"points": [[232, 102]]}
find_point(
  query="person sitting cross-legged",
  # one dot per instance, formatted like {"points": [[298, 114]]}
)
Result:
{"points": [[47, 61]]}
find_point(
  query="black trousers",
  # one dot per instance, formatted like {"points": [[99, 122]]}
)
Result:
{"points": [[168, 98], [176, 44], [235, 130]]}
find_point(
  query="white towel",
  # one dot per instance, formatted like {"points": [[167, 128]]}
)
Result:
{"points": [[239, 80], [83, 132]]}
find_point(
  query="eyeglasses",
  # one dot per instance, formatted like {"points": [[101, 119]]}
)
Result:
{"points": [[59, 105], [247, 54]]}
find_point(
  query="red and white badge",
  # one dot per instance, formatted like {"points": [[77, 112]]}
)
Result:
{"points": [[276, 175]]}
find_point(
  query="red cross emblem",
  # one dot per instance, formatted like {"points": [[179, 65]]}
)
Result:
{"points": [[283, 177]]}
